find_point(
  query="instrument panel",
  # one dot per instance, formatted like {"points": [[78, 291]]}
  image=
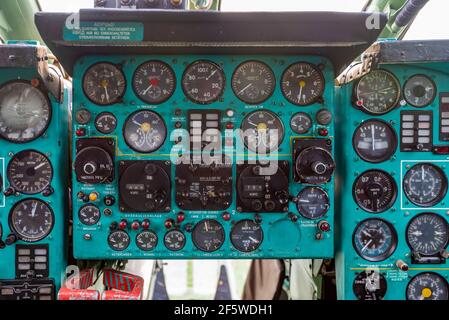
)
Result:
{"points": [[33, 175], [203, 157], [394, 226]]}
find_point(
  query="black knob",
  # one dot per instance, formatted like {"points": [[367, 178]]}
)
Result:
{"points": [[293, 217], [2, 245], [11, 239], [90, 168], [258, 219], [109, 201], [270, 205], [113, 226], [256, 205], [319, 167]]}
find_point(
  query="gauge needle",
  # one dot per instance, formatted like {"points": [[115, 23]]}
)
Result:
{"points": [[33, 211], [423, 174], [107, 93], [373, 137], [211, 75], [39, 166], [244, 89], [253, 240], [148, 89], [367, 245], [136, 123]]}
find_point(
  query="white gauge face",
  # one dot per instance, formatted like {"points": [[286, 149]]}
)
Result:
{"points": [[419, 91], [25, 112]]}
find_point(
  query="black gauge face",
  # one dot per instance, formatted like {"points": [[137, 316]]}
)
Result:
{"points": [[370, 285], [419, 91], [246, 236], [253, 82], [174, 240], [154, 82], [25, 112], [104, 84], [208, 235], [119, 240], [314, 165], [375, 141], [378, 92], [427, 286], [301, 123], [428, 234], [146, 240], [313, 203], [145, 131], [89, 214], [263, 131], [375, 191], [29, 172], [375, 240], [93, 165], [302, 84], [425, 185], [31, 220], [203, 82], [106, 123]]}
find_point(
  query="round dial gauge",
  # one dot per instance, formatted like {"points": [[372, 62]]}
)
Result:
{"points": [[29, 172], [246, 236], [428, 234], [262, 131], [208, 235], [314, 165], [89, 214], [301, 123], [378, 92], [146, 240], [174, 240], [427, 286], [31, 220], [203, 82], [313, 203], [93, 165], [370, 285], [419, 91], [425, 185], [25, 112], [302, 84], [145, 131], [154, 82], [119, 240], [375, 191], [104, 84], [253, 82], [106, 122], [375, 141], [375, 239]]}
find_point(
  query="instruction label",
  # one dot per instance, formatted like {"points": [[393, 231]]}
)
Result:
{"points": [[105, 31]]}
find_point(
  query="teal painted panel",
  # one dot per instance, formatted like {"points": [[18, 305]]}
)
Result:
{"points": [[282, 238], [350, 166], [54, 144]]}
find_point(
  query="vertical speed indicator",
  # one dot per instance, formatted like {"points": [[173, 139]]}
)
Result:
{"points": [[302, 84]]}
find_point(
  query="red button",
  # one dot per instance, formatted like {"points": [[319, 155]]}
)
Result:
{"points": [[123, 224], [323, 132], [81, 132], [135, 225], [324, 226], [226, 216], [146, 224], [181, 217], [168, 223]]}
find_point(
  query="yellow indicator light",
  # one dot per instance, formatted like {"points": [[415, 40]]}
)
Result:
{"points": [[93, 196], [146, 127], [262, 127], [302, 84]]}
